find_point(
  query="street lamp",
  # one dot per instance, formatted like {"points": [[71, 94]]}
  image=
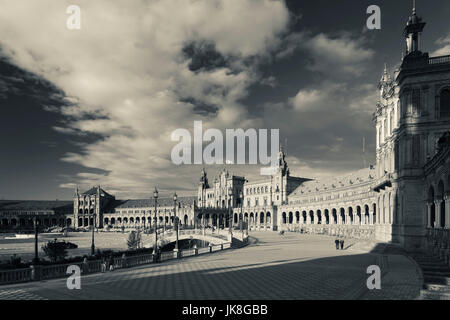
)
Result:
{"points": [[93, 245], [241, 217], [175, 218], [230, 213], [36, 254], [155, 246], [144, 221]]}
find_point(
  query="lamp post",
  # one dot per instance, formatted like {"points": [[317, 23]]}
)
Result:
{"points": [[36, 254], [93, 229], [155, 246], [144, 221], [230, 212], [241, 217], [175, 219]]}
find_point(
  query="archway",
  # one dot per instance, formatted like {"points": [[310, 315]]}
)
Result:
{"points": [[327, 216], [442, 207], [343, 216], [297, 217], [359, 218], [350, 215], [432, 207], [335, 218], [374, 213], [284, 217], [319, 217], [311, 217], [366, 214], [290, 217]]}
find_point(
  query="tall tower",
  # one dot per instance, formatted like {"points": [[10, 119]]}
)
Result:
{"points": [[408, 121], [413, 31], [202, 186]]}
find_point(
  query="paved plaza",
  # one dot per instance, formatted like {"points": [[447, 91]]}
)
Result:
{"points": [[288, 267]]}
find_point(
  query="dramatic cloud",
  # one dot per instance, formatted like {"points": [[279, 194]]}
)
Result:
{"points": [[444, 42], [144, 69]]}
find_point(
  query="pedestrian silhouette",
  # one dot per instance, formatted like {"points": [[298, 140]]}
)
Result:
{"points": [[337, 244], [342, 244]]}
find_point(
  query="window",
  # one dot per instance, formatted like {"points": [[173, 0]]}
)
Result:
{"points": [[416, 101], [445, 103]]}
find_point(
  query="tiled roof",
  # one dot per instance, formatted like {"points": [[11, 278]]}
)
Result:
{"points": [[93, 191], [149, 203], [333, 183], [36, 205]]}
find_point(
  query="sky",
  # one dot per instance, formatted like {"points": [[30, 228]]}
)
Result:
{"points": [[97, 106]]}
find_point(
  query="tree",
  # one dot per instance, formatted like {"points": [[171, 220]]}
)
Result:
{"points": [[134, 240], [55, 250]]}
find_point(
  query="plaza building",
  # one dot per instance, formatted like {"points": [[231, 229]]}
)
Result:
{"points": [[98, 208], [22, 215], [403, 199]]}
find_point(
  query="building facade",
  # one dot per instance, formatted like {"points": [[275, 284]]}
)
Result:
{"points": [[399, 199], [404, 198]]}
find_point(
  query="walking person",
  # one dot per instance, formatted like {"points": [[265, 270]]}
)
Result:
{"points": [[342, 244], [111, 263], [103, 264], [85, 265], [336, 242]]}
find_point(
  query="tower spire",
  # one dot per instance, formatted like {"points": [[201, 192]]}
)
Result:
{"points": [[413, 29]]}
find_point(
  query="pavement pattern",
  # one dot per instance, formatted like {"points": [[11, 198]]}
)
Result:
{"points": [[276, 267]]}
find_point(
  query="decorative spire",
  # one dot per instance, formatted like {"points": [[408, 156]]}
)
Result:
{"points": [[412, 32]]}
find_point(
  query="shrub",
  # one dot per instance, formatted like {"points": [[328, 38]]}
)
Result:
{"points": [[134, 240], [55, 250]]}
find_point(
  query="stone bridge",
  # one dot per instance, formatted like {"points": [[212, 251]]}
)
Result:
{"points": [[214, 237]]}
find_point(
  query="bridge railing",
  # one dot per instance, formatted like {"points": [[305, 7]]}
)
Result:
{"points": [[45, 272], [15, 276]]}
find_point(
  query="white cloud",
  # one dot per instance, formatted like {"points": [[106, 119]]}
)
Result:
{"points": [[126, 63], [444, 51], [344, 54]]}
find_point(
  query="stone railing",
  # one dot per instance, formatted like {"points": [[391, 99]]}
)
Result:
{"points": [[347, 231], [43, 272], [15, 276], [439, 60]]}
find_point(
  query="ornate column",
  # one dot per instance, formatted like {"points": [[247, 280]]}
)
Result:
{"points": [[437, 212], [447, 210]]}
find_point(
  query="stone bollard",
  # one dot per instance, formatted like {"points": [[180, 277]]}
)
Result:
{"points": [[36, 272]]}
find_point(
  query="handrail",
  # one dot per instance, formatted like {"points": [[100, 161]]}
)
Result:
{"points": [[45, 272], [439, 60]]}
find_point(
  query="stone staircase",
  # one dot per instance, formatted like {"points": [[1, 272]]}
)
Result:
{"points": [[436, 276]]}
